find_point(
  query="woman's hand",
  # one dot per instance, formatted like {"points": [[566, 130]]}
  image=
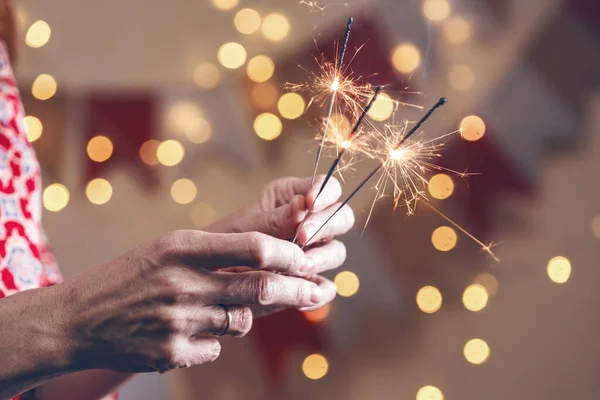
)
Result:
{"points": [[279, 212], [282, 206], [155, 308]]}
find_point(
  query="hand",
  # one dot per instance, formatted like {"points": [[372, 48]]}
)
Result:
{"points": [[279, 211], [154, 308], [282, 206]]}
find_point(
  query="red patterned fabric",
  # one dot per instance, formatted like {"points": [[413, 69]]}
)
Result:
{"points": [[26, 261]]}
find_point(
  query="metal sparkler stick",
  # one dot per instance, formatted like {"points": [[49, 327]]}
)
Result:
{"points": [[336, 162], [440, 103], [334, 88]]}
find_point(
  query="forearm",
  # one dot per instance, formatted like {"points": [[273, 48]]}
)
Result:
{"points": [[85, 385], [34, 347]]}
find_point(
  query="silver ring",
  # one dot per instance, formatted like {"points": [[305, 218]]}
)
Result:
{"points": [[227, 320]]}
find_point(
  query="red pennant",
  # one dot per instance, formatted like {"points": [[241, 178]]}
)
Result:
{"points": [[495, 175], [279, 334], [128, 120]]}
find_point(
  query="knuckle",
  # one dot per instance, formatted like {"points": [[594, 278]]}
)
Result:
{"points": [[301, 293], [215, 352], [257, 247], [245, 320], [275, 224], [265, 289]]}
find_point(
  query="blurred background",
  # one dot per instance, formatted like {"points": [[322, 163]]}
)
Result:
{"points": [[149, 116]]}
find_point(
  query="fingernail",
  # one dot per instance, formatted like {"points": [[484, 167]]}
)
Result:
{"points": [[307, 265], [318, 202], [316, 295]]}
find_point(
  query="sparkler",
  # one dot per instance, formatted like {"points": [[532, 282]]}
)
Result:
{"points": [[335, 85], [395, 153], [345, 146]]}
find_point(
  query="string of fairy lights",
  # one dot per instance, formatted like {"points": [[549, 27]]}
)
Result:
{"points": [[186, 119]]}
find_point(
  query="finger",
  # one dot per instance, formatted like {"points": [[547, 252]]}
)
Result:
{"points": [[265, 289], [238, 323], [341, 223], [329, 292], [185, 352], [330, 194], [326, 257], [252, 249], [281, 191], [281, 222]]}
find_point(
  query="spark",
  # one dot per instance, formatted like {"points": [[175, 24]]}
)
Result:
{"points": [[315, 6], [406, 159]]}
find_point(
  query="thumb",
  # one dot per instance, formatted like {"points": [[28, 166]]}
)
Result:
{"points": [[283, 221]]}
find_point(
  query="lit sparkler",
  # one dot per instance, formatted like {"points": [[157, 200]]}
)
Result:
{"points": [[405, 160], [346, 145]]}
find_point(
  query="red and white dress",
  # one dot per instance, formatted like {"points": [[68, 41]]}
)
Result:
{"points": [[25, 258], [26, 261]]}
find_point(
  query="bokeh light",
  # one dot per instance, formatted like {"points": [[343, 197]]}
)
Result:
{"points": [[267, 126], [232, 55], [346, 283], [444, 238], [436, 10], [382, 108], [275, 27], [148, 152], [99, 148], [440, 186], [596, 226], [225, 4], [99, 191], [202, 214], [247, 21], [260, 68], [180, 114], [33, 128], [44, 87], [406, 58], [55, 197], [461, 77], [198, 130], [476, 351], [183, 191], [430, 393], [429, 299], [291, 105], [207, 75], [488, 281], [170, 152], [457, 30], [472, 128], [38, 34], [264, 95], [315, 366], [559, 269], [318, 315], [475, 298]]}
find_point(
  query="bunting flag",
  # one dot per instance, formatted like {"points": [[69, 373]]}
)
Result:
{"points": [[128, 120]]}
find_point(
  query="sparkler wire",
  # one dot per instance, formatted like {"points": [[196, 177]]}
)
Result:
{"points": [[332, 99], [336, 162], [440, 103]]}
